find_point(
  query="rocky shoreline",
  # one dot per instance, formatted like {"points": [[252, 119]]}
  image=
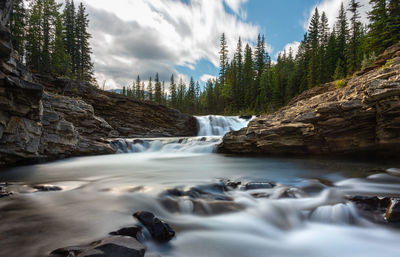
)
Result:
{"points": [[356, 116], [42, 118]]}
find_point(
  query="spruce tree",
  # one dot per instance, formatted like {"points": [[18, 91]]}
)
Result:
{"points": [[157, 89], [150, 90], [172, 91], [138, 92], [84, 63], [69, 17], [354, 54], [223, 58], [341, 41], [248, 74], [34, 36], [323, 73], [17, 26], [313, 33], [60, 58]]}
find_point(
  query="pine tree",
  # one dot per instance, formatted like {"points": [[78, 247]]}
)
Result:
{"points": [[150, 90], [181, 95], [223, 57], [157, 89], [138, 93], [238, 88], [313, 32], [393, 25], [60, 58], [341, 40], [172, 88], [17, 26], [84, 63], [248, 74], [69, 18], [323, 74], [354, 54], [34, 36]]}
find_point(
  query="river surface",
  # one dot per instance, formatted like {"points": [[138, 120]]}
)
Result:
{"points": [[99, 195]]}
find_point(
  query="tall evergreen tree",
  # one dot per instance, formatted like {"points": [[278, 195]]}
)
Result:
{"points": [[60, 58], [313, 33], [138, 93], [150, 90], [84, 63], [341, 41], [354, 54], [17, 26], [248, 74], [223, 58], [157, 89], [172, 91], [69, 18], [34, 36]]}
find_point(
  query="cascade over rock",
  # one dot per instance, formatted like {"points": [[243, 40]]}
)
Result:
{"points": [[361, 117], [43, 118]]}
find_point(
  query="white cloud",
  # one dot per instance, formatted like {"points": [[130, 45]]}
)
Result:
{"points": [[294, 46], [331, 9], [147, 36], [235, 5], [206, 77]]}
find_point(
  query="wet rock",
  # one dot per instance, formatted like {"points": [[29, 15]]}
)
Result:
{"points": [[232, 184], [5, 193], [245, 117], [311, 186], [159, 230], [47, 188], [371, 207], [361, 118], [131, 232], [393, 211], [258, 185], [216, 191], [110, 247]]}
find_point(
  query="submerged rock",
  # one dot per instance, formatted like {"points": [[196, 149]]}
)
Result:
{"points": [[159, 230], [130, 231], [110, 247], [258, 185], [46, 188]]}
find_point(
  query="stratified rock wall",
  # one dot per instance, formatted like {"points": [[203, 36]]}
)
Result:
{"points": [[66, 118], [363, 117]]}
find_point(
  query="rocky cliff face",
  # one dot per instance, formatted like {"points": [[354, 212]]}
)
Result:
{"points": [[43, 119], [362, 117]]}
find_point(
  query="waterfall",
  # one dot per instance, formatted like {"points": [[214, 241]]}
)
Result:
{"points": [[214, 125], [211, 130]]}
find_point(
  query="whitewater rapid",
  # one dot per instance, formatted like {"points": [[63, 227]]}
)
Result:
{"points": [[211, 130]]}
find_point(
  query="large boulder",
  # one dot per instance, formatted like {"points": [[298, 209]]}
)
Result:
{"points": [[159, 230], [362, 117]]}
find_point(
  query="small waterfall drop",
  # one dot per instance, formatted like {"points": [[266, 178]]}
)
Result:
{"points": [[214, 125], [211, 130]]}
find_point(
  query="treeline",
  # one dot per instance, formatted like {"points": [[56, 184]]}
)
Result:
{"points": [[50, 41], [178, 96], [252, 83]]}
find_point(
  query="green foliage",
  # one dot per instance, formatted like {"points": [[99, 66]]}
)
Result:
{"points": [[339, 83], [387, 64], [53, 42]]}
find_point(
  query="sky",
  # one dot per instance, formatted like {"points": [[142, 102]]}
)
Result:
{"points": [[181, 37]]}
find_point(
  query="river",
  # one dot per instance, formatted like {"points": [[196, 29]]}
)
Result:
{"points": [[305, 213]]}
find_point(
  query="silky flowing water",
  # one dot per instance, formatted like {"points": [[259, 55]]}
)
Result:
{"points": [[99, 195]]}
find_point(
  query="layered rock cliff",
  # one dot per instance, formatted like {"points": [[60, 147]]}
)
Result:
{"points": [[361, 117], [43, 119]]}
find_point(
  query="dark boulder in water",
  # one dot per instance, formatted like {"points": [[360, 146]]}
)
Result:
{"points": [[393, 211], [159, 230], [47, 188], [110, 247], [371, 207], [245, 117], [258, 185], [131, 232]]}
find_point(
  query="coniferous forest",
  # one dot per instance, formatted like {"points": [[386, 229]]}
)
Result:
{"points": [[49, 41], [55, 42]]}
